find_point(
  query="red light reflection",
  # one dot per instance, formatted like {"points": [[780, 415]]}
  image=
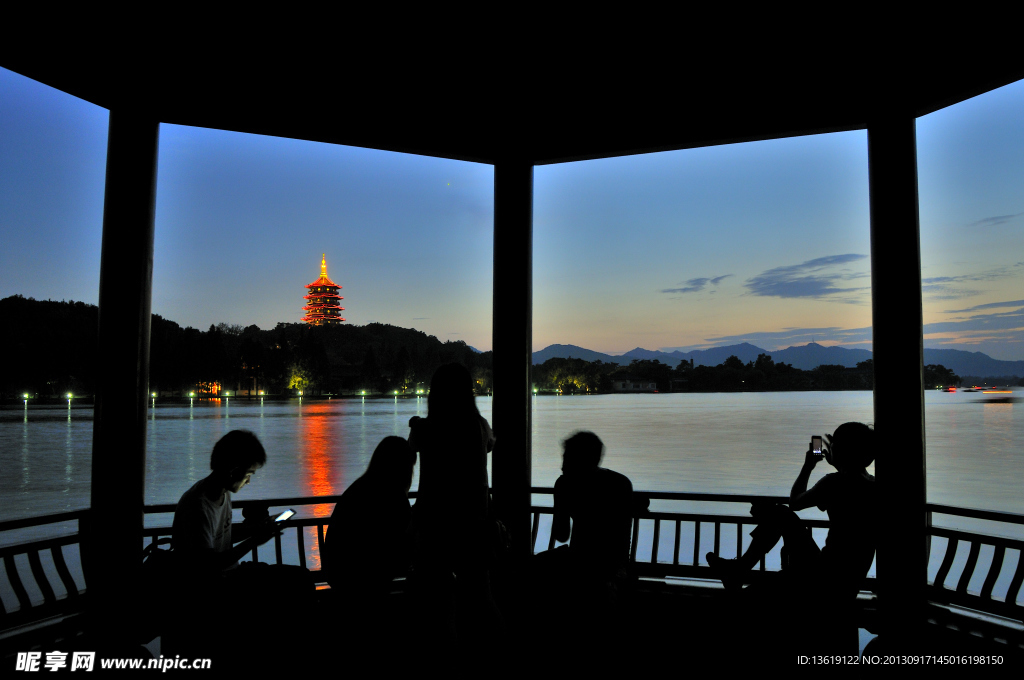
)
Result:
{"points": [[320, 437]]}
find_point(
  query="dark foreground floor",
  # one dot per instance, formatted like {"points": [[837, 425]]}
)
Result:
{"points": [[655, 627]]}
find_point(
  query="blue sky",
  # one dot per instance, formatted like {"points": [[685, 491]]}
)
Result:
{"points": [[764, 242]]}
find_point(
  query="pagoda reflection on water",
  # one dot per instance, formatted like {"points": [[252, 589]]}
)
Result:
{"points": [[323, 307]]}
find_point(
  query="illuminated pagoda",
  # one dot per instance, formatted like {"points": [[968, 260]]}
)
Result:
{"points": [[323, 306]]}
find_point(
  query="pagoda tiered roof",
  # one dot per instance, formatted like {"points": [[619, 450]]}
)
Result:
{"points": [[322, 281], [317, 311]]}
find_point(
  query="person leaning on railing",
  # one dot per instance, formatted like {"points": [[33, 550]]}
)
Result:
{"points": [[823, 583]]}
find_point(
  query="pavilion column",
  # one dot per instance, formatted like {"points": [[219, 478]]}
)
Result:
{"points": [[902, 558], [112, 536], [513, 347]]}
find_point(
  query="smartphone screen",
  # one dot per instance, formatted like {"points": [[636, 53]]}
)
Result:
{"points": [[816, 446], [284, 515]]}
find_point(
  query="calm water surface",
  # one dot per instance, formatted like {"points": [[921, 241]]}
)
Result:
{"points": [[719, 443]]}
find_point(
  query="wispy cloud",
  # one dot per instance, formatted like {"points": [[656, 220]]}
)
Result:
{"points": [[990, 305], [420, 318], [818, 278], [697, 285], [950, 287], [994, 221], [1001, 332]]}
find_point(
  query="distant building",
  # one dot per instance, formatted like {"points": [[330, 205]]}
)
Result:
{"points": [[621, 383], [323, 308]]}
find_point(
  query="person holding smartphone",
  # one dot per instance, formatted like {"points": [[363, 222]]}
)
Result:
{"points": [[209, 581], [823, 580]]}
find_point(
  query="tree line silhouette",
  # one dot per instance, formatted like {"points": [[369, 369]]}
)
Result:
{"points": [[578, 376], [49, 349]]}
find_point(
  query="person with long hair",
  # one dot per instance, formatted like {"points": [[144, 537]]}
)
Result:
{"points": [[452, 510], [368, 542]]}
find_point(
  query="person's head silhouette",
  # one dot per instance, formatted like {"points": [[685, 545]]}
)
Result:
{"points": [[451, 393], [236, 457], [852, 447], [392, 463], [582, 453]]}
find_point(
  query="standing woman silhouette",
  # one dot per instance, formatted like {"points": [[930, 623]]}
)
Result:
{"points": [[451, 513]]}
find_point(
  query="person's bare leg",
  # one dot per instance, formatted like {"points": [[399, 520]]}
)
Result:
{"points": [[763, 538]]}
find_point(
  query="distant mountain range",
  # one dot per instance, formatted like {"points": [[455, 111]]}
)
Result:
{"points": [[805, 357]]}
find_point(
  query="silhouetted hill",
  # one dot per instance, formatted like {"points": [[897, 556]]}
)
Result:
{"points": [[574, 352], [810, 356], [805, 357], [972, 363], [49, 348]]}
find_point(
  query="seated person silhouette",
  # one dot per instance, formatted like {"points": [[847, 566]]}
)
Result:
{"points": [[593, 511], [825, 580], [211, 583], [368, 542]]}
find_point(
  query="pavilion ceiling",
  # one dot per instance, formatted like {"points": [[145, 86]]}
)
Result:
{"points": [[541, 110]]}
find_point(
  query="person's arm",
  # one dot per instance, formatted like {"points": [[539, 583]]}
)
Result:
{"points": [[414, 437], [799, 496], [488, 434], [560, 527], [258, 536]]}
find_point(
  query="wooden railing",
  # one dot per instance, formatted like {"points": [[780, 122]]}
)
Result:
{"points": [[52, 583], [956, 590]]}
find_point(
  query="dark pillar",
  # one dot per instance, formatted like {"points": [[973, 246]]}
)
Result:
{"points": [[513, 345], [902, 558], [112, 537]]}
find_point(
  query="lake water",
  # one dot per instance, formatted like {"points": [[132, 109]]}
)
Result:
{"points": [[750, 443]]}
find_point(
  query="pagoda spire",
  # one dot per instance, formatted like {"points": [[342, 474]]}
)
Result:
{"points": [[323, 266]]}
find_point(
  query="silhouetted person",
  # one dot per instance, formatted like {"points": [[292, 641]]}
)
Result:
{"points": [[212, 585], [581, 582], [202, 533], [451, 514], [600, 504], [820, 583], [368, 542]]}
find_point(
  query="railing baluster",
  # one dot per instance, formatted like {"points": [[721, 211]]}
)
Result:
{"points": [[15, 580], [993, 572], [718, 531], [551, 534], [299, 531], [968, 572], [62, 570], [255, 553], [277, 547], [675, 548], [40, 576], [635, 539], [739, 539], [696, 543], [320, 542], [533, 532], [657, 537], [1016, 581], [947, 562]]}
